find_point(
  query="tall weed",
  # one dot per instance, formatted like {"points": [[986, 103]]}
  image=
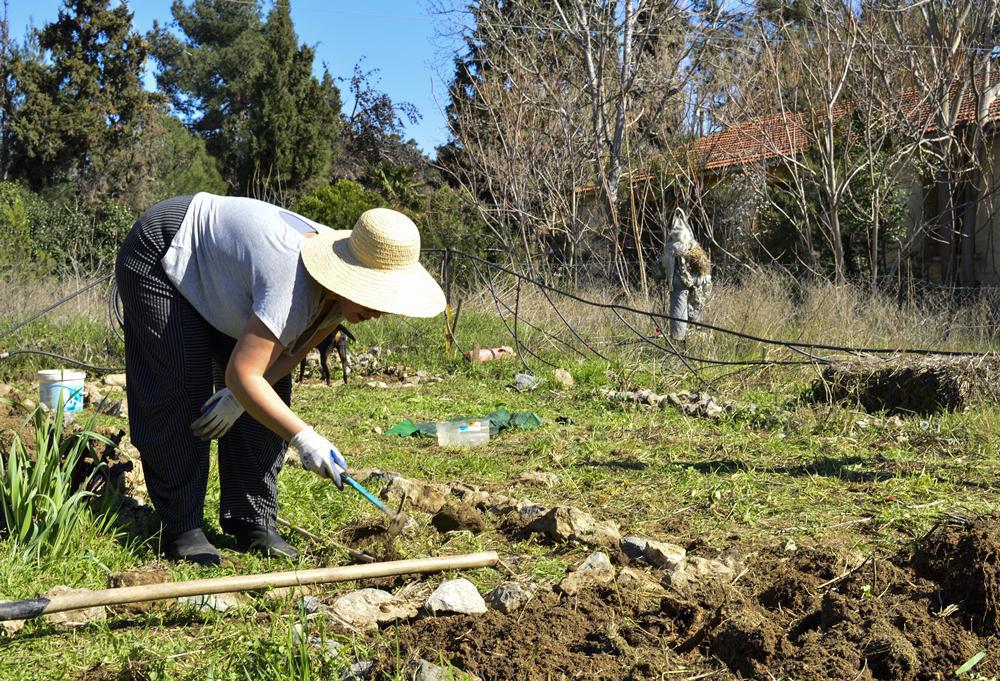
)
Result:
{"points": [[41, 505]]}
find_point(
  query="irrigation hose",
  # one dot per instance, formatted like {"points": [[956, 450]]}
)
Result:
{"points": [[64, 358], [116, 319]]}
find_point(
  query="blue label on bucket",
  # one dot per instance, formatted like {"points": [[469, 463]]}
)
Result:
{"points": [[70, 393]]}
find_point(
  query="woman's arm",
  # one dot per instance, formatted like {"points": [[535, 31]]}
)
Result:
{"points": [[254, 359]]}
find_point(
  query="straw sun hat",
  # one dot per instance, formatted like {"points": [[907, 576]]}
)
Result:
{"points": [[377, 264]]}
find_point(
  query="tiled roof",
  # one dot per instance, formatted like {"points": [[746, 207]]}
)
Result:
{"points": [[784, 134], [756, 139]]}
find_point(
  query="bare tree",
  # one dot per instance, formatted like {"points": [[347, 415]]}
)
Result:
{"points": [[555, 97], [814, 102], [952, 60]]}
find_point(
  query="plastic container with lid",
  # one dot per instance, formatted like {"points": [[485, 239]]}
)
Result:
{"points": [[471, 433]]}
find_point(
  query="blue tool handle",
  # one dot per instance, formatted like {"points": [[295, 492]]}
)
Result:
{"points": [[366, 494]]}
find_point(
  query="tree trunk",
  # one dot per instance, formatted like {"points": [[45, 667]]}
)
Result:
{"points": [[946, 224], [970, 213]]}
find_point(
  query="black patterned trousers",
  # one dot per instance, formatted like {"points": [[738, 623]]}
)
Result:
{"points": [[174, 361]]}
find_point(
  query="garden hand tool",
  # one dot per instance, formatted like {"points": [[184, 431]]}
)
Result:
{"points": [[397, 519]]}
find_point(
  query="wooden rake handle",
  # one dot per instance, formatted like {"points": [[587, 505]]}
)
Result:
{"points": [[19, 610]]}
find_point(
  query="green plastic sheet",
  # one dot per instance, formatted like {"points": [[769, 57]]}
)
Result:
{"points": [[499, 420]]}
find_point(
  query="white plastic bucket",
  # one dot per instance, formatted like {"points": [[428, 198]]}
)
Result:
{"points": [[65, 384]]}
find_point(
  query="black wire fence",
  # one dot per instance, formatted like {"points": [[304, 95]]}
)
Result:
{"points": [[505, 289]]}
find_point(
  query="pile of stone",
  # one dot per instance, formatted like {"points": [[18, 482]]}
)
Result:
{"points": [[558, 524], [370, 362], [697, 404], [404, 378]]}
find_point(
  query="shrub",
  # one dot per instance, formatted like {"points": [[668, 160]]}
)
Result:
{"points": [[55, 237], [338, 205]]}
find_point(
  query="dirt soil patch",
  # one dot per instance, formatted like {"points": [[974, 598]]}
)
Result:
{"points": [[964, 558], [11, 423], [456, 516], [811, 614], [921, 385], [596, 635]]}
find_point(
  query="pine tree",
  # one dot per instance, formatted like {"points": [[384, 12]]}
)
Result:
{"points": [[247, 88]]}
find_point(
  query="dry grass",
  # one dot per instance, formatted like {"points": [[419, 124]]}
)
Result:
{"points": [[20, 297], [766, 304]]}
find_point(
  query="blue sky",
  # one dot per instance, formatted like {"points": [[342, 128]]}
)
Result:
{"points": [[397, 37]]}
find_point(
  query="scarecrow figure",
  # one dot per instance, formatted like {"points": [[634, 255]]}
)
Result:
{"points": [[228, 295], [688, 276]]}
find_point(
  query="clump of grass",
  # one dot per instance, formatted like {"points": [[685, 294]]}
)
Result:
{"points": [[41, 505]]}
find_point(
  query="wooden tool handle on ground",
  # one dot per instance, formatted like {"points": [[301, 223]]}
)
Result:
{"points": [[19, 610]]}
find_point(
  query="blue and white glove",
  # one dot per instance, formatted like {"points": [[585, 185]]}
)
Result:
{"points": [[319, 455], [218, 415]]}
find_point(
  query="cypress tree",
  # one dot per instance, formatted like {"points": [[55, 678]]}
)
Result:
{"points": [[84, 105]]}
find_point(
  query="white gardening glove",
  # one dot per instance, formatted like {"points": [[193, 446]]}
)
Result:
{"points": [[319, 455], [218, 415]]}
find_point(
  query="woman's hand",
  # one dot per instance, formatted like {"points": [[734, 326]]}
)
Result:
{"points": [[319, 456], [218, 415]]}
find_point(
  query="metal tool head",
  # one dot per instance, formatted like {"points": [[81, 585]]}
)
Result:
{"points": [[397, 521]]}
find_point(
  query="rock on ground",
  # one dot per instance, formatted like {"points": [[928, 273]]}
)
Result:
{"points": [[563, 378], [540, 478], [367, 608], [664, 555], [311, 604], [11, 627], [707, 567], [73, 618], [530, 511], [470, 494], [422, 670], [634, 547], [640, 581], [525, 382], [421, 496], [116, 380], [510, 596], [596, 569], [501, 504], [213, 602], [565, 523], [358, 671], [700, 404], [458, 596], [327, 645], [458, 516]]}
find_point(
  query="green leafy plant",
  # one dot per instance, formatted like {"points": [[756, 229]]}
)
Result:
{"points": [[41, 505]]}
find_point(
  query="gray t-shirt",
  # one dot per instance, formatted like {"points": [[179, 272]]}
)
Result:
{"points": [[235, 257]]}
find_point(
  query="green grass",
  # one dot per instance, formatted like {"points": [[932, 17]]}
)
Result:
{"points": [[775, 468]]}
